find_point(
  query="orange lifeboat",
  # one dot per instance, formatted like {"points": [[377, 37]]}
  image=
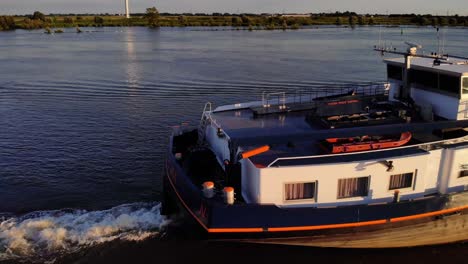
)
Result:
{"points": [[353, 144]]}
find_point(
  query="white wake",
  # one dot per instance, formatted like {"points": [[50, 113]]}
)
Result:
{"points": [[50, 233]]}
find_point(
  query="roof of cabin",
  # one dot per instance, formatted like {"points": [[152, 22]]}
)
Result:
{"points": [[454, 65]]}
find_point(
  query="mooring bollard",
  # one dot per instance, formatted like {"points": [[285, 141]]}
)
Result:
{"points": [[208, 189], [229, 195]]}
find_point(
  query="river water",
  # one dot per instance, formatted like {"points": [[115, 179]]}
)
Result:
{"points": [[85, 120]]}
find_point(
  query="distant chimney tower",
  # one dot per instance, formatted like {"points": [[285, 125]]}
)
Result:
{"points": [[127, 10]]}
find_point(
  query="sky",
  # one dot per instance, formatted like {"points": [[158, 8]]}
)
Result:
{"points": [[434, 7]]}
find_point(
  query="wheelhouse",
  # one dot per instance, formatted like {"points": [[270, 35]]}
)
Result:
{"points": [[440, 88]]}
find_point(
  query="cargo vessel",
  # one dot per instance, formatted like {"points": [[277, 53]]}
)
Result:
{"points": [[365, 165]]}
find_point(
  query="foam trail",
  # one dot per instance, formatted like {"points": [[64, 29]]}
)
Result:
{"points": [[40, 235]]}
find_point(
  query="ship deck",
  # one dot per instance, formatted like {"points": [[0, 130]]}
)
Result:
{"points": [[297, 134]]}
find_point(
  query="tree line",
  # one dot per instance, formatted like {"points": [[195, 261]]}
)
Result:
{"points": [[7, 23], [154, 19]]}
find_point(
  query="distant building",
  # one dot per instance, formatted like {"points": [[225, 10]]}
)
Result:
{"points": [[127, 9], [296, 15]]}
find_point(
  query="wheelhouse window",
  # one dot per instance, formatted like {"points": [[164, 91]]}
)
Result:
{"points": [[438, 82], [400, 181], [465, 85], [299, 191], [463, 173], [353, 187], [394, 72], [450, 84], [424, 78]]}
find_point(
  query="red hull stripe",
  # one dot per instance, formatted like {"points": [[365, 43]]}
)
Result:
{"points": [[236, 230]]}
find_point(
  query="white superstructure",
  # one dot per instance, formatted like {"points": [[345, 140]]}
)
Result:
{"points": [[431, 166]]}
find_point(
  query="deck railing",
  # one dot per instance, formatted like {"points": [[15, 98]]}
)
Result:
{"points": [[310, 95]]}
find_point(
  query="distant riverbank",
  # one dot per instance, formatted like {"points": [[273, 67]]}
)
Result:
{"points": [[248, 21]]}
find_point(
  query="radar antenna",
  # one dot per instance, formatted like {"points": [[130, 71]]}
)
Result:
{"points": [[413, 48], [411, 52], [413, 45]]}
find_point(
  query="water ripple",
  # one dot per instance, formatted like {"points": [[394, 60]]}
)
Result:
{"points": [[110, 90]]}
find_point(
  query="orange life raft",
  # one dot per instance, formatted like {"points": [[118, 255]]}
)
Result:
{"points": [[352, 144]]}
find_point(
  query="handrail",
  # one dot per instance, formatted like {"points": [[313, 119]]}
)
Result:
{"points": [[309, 95], [463, 139], [266, 98], [207, 114], [207, 108], [209, 117]]}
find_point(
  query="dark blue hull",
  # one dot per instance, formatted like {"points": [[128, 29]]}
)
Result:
{"points": [[218, 220]]}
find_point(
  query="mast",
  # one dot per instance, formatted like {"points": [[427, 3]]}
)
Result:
{"points": [[412, 50], [409, 54], [127, 9]]}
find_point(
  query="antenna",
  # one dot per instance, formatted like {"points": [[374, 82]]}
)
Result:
{"points": [[443, 41], [443, 36], [380, 35]]}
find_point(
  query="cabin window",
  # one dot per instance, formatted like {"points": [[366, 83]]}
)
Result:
{"points": [[353, 187], [394, 72], [465, 85], [299, 191], [400, 181], [463, 173]]}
